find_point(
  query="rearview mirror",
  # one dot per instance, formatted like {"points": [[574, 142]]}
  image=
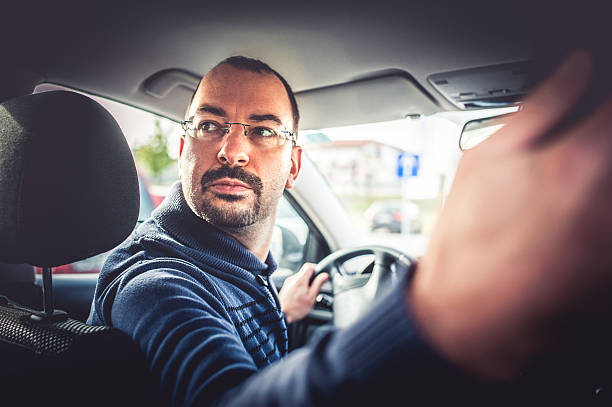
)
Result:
{"points": [[476, 131]]}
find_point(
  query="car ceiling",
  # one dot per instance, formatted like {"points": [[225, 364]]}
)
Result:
{"points": [[112, 48]]}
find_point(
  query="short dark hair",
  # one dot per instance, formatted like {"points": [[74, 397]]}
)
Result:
{"points": [[255, 65]]}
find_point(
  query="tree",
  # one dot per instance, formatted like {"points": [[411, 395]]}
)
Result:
{"points": [[153, 155]]}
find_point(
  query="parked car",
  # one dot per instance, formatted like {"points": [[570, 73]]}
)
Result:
{"points": [[394, 216]]}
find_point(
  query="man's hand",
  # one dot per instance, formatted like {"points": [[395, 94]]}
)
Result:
{"points": [[297, 295], [521, 253]]}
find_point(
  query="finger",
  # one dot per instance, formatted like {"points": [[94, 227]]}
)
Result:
{"points": [[550, 101], [306, 271], [595, 130], [317, 283]]}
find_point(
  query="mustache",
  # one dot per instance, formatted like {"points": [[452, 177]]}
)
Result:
{"points": [[238, 173]]}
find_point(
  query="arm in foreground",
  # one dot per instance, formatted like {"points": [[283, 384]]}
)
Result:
{"points": [[515, 263]]}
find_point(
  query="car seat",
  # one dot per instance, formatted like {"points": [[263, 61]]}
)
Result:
{"points": [[68, 190]]}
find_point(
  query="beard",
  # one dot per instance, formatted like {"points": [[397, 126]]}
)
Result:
{"points": [[226, 214], [230, 216]]}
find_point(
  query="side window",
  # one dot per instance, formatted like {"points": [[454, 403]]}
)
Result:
{"points": [[294, 242], [289, 238]]}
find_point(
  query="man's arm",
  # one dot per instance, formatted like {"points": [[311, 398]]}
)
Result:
{"points": [[184, 331], [523, 242]]}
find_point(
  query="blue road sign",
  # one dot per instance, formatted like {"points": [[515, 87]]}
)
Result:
{"points": [[407, 165]]}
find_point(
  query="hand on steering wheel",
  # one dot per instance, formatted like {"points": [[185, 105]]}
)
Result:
{"points": [[353, 295]]}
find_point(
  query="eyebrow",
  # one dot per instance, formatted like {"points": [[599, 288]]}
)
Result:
{"points": [[217, 111], [206, 108], [265, 117]]}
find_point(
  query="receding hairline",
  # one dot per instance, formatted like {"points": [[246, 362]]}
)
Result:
{"points": [[223, 65], [217, 110]]}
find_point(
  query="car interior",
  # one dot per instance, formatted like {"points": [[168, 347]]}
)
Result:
{"points": [[70, 189]]}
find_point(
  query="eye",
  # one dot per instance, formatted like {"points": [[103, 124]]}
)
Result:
{"points": [[208, 126], [262, 132]]}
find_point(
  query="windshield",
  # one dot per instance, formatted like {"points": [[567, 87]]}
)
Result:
{"points": [[392, 177]]}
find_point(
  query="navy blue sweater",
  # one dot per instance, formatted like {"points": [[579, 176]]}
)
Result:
{"points": [[194, 301]]}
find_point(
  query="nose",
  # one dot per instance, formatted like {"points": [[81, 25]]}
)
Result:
{"points": [[235, 149]]}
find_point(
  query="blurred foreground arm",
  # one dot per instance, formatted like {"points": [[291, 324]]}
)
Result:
{"points": [[523, 241]]}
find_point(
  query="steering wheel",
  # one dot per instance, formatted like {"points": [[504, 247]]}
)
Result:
{"points": [[355, 293]]}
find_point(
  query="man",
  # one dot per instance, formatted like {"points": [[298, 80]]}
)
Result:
{"points": [[191, 285], [238, 155]]}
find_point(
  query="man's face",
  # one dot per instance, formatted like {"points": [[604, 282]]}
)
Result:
{"points": [[232, 182]]}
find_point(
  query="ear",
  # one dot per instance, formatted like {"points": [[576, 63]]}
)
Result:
{"points": [[181, 145], [296, 164]]}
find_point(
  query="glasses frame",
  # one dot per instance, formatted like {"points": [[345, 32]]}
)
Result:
{"points": [[187, 126]]}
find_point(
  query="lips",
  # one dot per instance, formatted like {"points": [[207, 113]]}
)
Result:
{"points": [[228, 186], [227, 180]]}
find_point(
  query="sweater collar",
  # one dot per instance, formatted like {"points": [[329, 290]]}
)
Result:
{"points": [[176, 217]]}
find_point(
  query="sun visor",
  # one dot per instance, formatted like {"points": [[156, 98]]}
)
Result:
{"points": [[489, 86], [388, 96], [383, 98]]}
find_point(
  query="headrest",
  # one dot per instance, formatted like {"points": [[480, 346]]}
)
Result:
{"points": [[68, 183]]}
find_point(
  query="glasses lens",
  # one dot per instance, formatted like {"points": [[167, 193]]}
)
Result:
{"points": [[265, 136], [207, 129]]}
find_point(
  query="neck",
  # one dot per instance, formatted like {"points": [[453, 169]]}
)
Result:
{"points": [[257, 238]]}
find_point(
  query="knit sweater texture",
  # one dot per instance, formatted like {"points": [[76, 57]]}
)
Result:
{"points": [[206, 314]]}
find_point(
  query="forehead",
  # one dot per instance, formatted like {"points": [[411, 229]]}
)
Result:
{"points": [[241, 93]]}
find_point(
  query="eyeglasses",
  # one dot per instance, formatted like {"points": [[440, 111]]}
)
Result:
{"points": [[260, 136]]}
